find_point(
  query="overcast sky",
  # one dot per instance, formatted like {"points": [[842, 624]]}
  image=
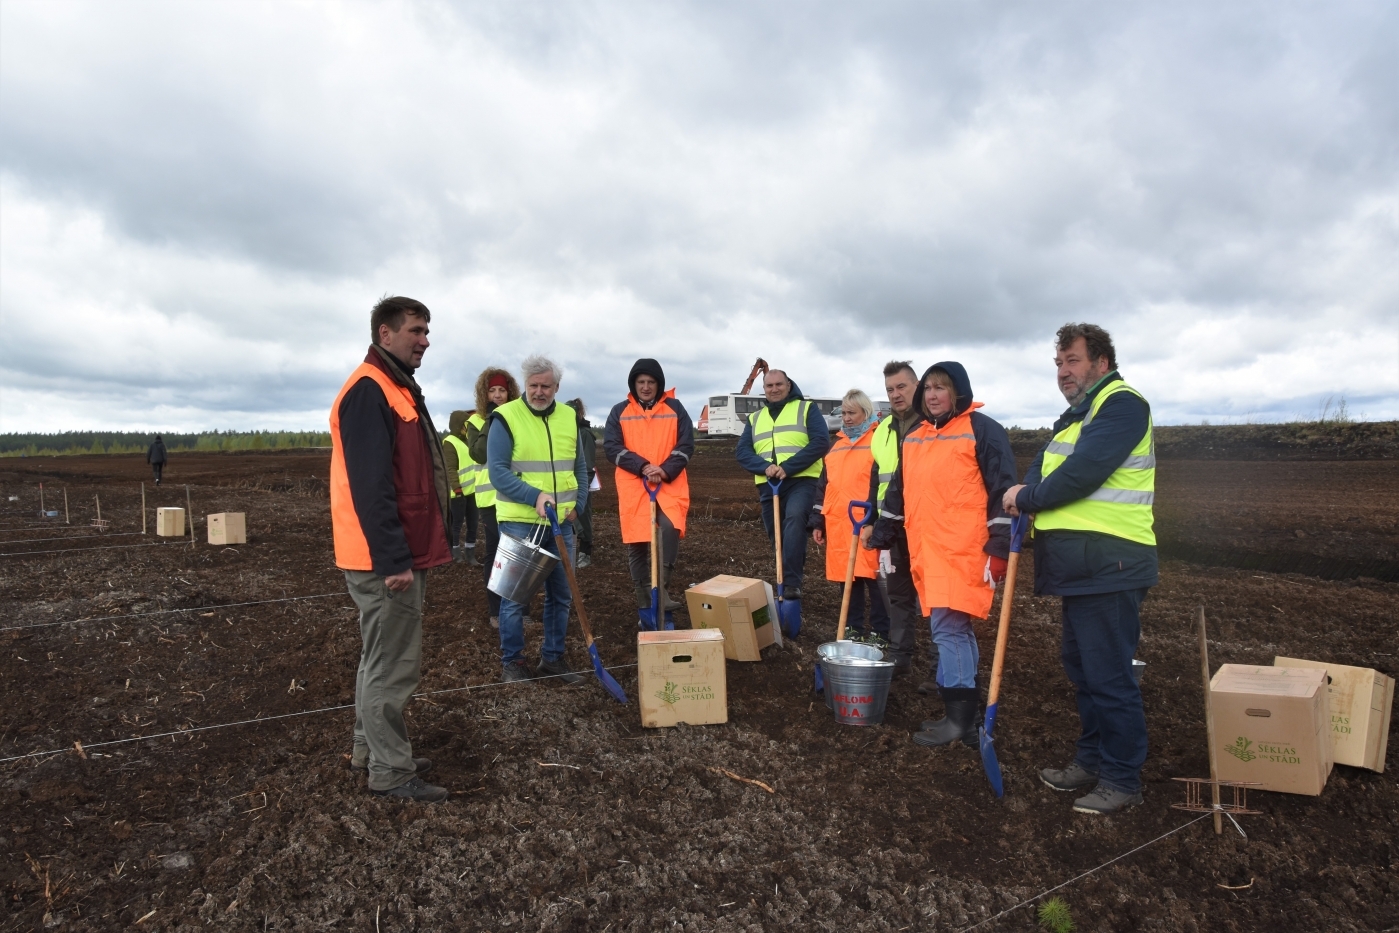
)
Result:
{"points": [[201, 201]]}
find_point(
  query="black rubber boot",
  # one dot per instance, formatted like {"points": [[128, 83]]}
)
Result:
{"points": [[962, 705], [643, 596], [668, 602]]}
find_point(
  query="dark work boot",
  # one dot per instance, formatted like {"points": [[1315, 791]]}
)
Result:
{"points": [[667, 602], [962, 705], [643, 596]]}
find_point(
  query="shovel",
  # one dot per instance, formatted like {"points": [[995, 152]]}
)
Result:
{"points": [[650, 616], [608, 681], [988, 746], [788, 616], [856, 525]]}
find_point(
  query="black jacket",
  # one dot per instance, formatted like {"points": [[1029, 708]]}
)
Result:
{"points": [[156, 452], [993, 455], [615, 448], [1077, 563]]}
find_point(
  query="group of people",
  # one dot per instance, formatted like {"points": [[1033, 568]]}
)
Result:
{"points": [[938, 474]]}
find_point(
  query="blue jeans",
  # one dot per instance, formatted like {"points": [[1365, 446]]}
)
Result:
{"points": [[798, 496], [958, 654], [557, 601], [1100, 638]]}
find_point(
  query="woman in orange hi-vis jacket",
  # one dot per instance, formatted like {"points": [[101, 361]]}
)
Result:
{"points": [[651, 439], [953, 470], [845, 478]]}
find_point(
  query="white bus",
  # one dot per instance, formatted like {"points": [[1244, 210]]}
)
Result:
{"points": [[725, 415]]}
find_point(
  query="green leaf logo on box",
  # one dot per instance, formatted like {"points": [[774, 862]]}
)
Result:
{"points": [[668, 694], [1240, 749]]}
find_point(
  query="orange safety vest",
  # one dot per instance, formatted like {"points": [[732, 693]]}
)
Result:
{"points": [[650, 434], [945, 515], [351, 547], [847, 480]]}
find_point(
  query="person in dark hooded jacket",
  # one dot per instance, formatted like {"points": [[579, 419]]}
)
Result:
{"points": [[650, 437], [156, 457], [953, 471], [784, 442]]}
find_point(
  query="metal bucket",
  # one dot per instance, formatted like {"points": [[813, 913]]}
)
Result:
{"points": [[520, 567], [844, 649], [858, 688], [1138, 668]]}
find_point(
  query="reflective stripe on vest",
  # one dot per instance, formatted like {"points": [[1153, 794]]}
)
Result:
{"points": [[351, 547], [485, 492], [776, 441], [650, 434], [885, 445], [466, 467], [544, 454], [1122, 506]]}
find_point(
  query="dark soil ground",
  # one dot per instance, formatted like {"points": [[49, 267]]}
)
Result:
{"points": [[566, 814]]}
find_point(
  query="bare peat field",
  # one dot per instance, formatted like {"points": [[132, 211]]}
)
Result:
{"points": [[565, 814]]}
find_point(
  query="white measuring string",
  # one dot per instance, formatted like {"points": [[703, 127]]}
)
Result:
{"points": [[52, 538], [261, 719], [159, 612], [105, 547], [1085, 874]]}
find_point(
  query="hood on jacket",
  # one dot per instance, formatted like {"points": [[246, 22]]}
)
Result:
{"points": [[961, 382], [457, 422], [483, 383], [646, 367], [794, 394]]}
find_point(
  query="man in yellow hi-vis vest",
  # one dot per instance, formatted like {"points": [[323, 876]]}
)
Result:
{"points": [[461, 475], [783, 442], [534, 458], [1091, 491]]}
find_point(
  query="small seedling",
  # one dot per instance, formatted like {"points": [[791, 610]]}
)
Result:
{"points": [[1054, 916]]}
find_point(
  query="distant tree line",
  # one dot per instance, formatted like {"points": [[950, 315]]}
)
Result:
{"points": [[131, 442]]}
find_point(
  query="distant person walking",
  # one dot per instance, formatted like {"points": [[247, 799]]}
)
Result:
{"points": [[156, 457], [650, 437], [1091, 491], [783, 443], [494, 387], [389, 509]]}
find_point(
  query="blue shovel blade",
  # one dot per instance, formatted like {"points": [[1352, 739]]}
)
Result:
{"points": [[608, 681], [819, 683], [988, 752], [789, 614], [646, 619], [669, 621]]}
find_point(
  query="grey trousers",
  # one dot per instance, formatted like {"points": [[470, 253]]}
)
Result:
{"points": [[390, 665], [639, 554]]}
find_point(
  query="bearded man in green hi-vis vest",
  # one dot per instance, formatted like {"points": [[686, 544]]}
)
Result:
{"points": [[534, 459], [1091, 491]]}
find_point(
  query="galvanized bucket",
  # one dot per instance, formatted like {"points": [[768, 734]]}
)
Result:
{"points": [[1138, 668], [844, 649], [520, 567], [858, 688]]}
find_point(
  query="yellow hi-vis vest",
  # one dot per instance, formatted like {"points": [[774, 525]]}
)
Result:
{"points": [[466, 467], [885, 445], [543, 456], [1121, 507], [776, 441], [485, 492]]}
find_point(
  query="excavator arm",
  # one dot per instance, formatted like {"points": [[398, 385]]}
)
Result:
{"points": [[761, 366]]}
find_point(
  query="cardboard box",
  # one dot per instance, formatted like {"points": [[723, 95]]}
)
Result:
{"points": [[170, 523], [738, 607], [681, 677], [1271, 727], [228, 528], [1361, 702]]}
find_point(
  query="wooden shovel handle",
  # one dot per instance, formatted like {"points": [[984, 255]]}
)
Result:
{"points": [[849, 584], [1003, 630]]}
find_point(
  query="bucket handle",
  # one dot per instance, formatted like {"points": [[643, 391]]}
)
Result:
{"points": [[536, 537]]}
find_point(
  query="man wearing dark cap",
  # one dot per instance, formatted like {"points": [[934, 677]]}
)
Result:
{"points": [[650, 438]]}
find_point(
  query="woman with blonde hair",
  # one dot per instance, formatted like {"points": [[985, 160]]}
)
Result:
{"points": [[494, 387], [845, 478]]}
